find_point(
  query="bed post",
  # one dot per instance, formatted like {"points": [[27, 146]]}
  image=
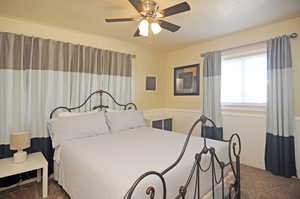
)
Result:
{"points": [[238, 180], [234, 143], [101, 95]]}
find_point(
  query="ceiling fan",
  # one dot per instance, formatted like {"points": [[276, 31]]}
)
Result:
{"points": [[151, 15]]}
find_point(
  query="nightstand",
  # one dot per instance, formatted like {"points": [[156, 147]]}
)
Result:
{"points": [[35, 161], [160, 121]]}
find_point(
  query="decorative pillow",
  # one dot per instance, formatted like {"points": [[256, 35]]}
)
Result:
{"points": [[70, 114], [63, 129], [123, 120]]}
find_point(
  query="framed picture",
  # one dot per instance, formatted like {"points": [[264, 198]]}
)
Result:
{"points": [[186, 80], [150, 83]]}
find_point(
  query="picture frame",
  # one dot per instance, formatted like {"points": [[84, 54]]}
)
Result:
{"points": [[186, 80], [151, 83]]}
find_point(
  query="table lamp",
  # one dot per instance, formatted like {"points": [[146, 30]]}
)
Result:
{"points": [[20, 141]]}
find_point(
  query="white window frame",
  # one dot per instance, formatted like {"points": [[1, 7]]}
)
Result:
{"points": [[261, 107]]}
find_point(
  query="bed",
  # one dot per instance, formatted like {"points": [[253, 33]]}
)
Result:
{"points": [[144, 162]]}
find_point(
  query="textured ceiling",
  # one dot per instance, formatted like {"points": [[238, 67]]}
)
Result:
{"points": [[206, 20]]}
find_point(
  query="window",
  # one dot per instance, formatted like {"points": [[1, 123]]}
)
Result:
{"points": [[244, 80]]}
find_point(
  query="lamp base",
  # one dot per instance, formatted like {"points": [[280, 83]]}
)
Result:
{"points": [[20, 156]]}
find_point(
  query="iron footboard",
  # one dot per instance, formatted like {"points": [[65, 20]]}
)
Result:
{"points": [[234, 150]]}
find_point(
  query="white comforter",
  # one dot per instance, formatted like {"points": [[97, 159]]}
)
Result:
{"points": [[104, 167]]}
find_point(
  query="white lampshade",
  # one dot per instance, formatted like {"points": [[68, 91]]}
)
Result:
{"points": [[144, 28], [155, 28], [19, 140]]}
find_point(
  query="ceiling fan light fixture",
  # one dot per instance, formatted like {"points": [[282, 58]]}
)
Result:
{"points": [[151, 15], [159, 15], [144, 27], [155, 28]]}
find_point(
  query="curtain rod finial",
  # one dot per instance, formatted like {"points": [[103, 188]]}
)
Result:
{"points": [[294, 35]]}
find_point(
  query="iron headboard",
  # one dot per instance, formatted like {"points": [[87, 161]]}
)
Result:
{"points": [[127, 106]]}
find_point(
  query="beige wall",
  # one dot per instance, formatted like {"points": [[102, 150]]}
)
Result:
{"points": [[146, 61], [191, 55]]}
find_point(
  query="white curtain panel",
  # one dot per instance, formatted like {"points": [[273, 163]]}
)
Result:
{"points": [[13, 103], [37, 75], [212, 95], [212, 87]]}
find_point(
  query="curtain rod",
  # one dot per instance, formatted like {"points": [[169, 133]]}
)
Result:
{"points": [[293, 36]]}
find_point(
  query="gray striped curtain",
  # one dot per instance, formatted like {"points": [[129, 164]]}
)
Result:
{"points": [[212, 95], [37, 75], [280, 147]]}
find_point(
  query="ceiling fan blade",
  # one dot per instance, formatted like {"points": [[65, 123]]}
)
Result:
{"points": [[121, 19], [176, 9], [137, 4], [137, 33], [168, 26]]}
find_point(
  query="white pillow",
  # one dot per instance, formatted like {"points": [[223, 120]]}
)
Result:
{"points": [[123, 120], [114, 110], [63, 129], [70, 114]]}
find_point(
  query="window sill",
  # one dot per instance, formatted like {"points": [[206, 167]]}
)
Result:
{"points": [[245, 107]]}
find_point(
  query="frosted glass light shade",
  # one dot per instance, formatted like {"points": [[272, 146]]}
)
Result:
{"points": [[144, 28], [155, 28], [19, 140]]}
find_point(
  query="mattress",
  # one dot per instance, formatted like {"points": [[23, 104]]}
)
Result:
{"points": [[106, 166]]}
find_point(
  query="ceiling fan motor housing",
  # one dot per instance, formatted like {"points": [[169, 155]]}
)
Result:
{"points": [[150, 8]]}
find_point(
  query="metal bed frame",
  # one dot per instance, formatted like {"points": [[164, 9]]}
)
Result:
{"points": [[234, 150], [128, 106]]}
